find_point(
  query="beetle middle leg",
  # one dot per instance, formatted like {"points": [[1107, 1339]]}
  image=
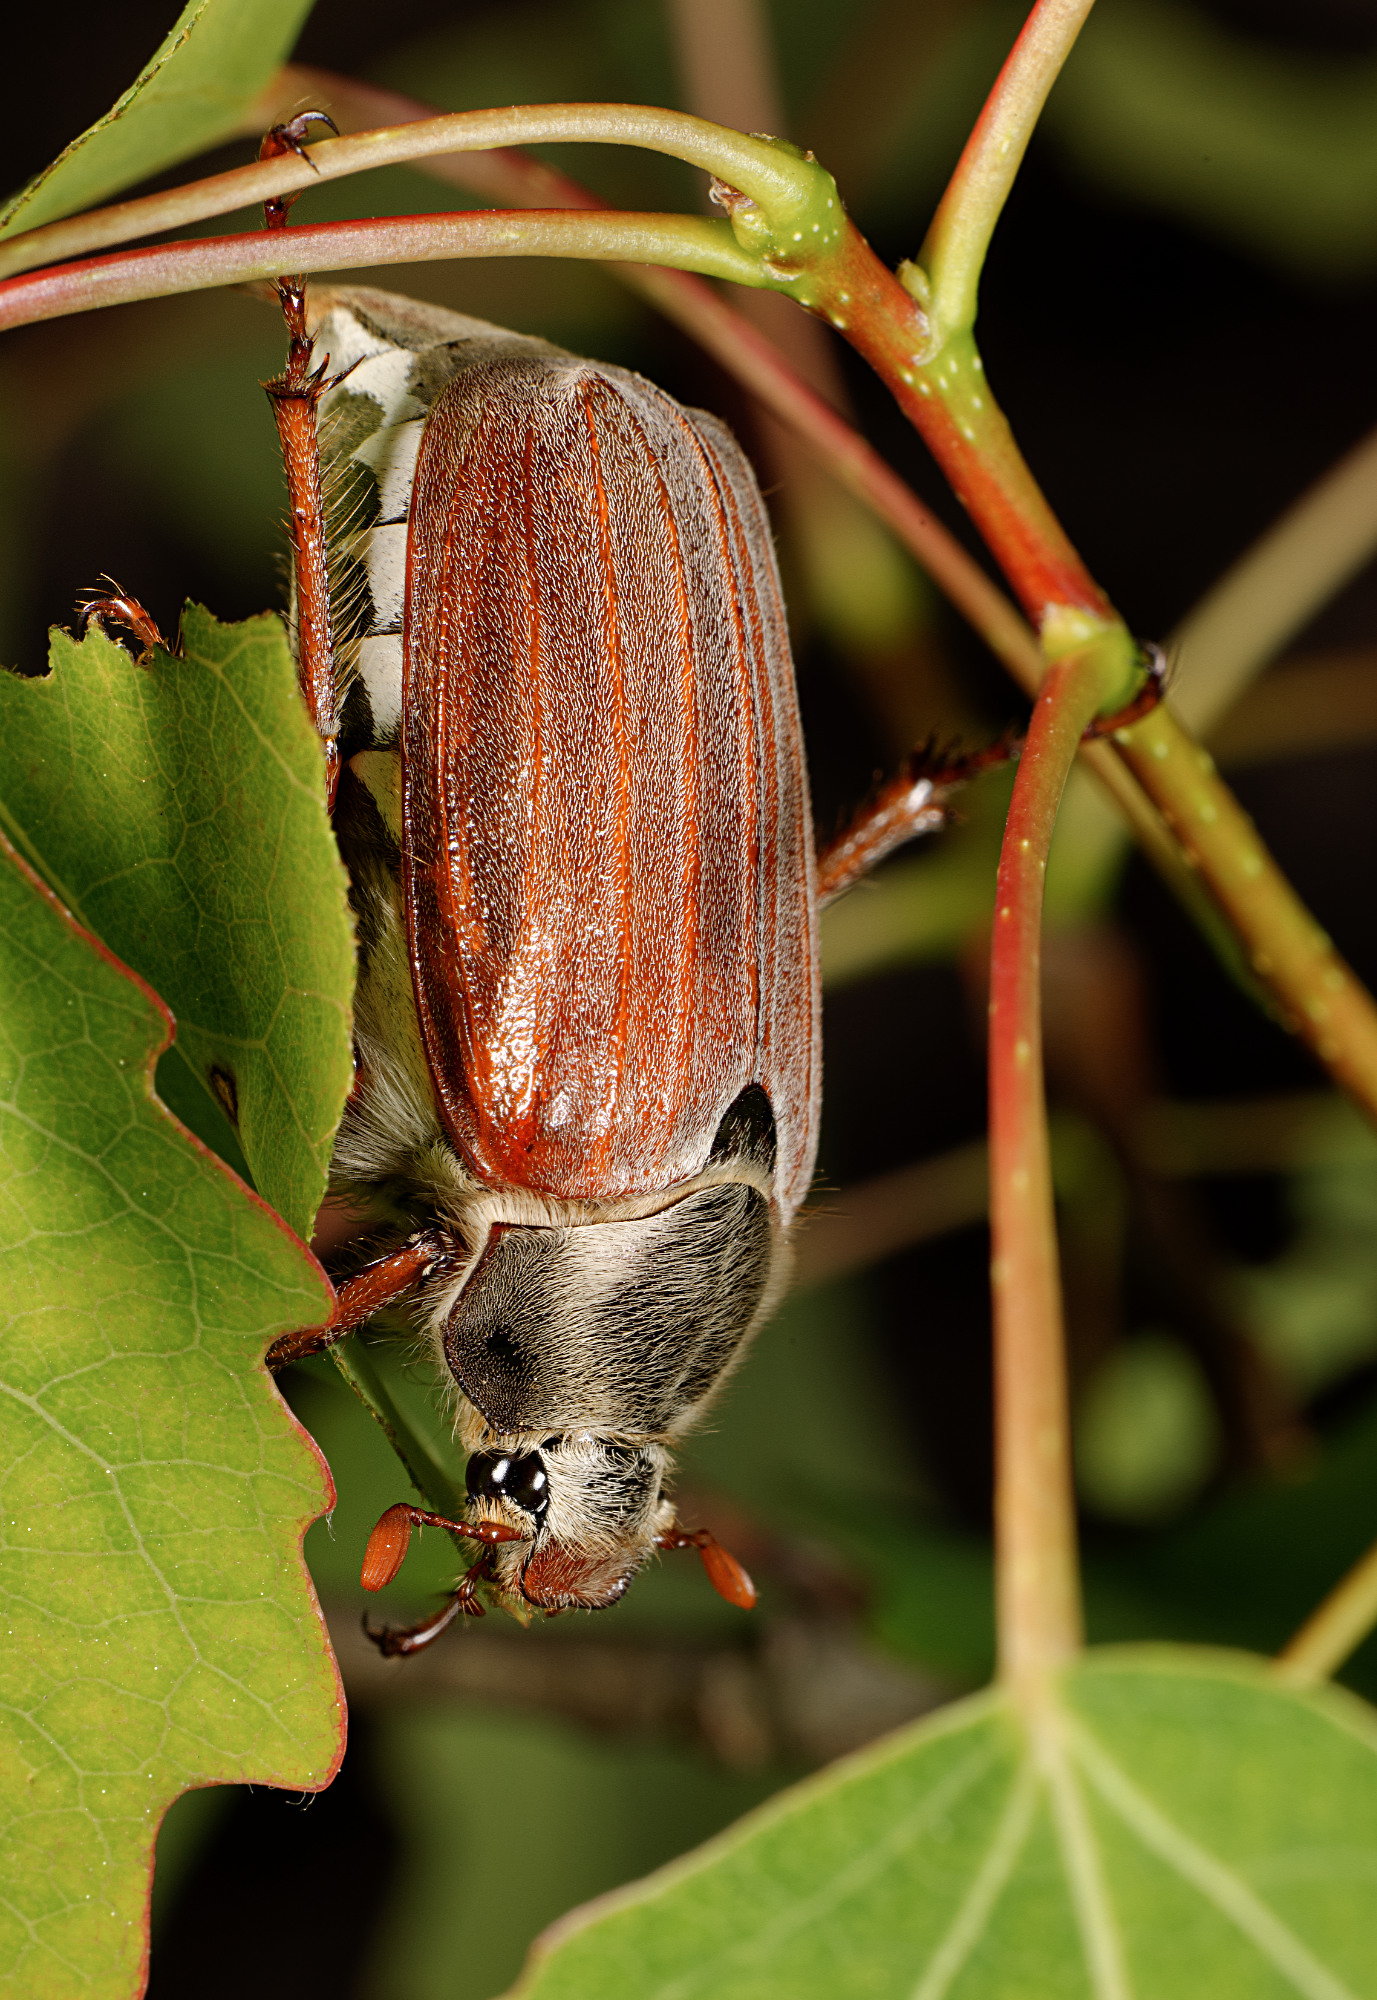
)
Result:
{"points": [[295, 396], [360, 1298], [912, 803], [915, 802]]}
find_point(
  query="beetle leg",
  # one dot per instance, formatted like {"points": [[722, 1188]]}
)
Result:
{"points": [[294, 395], [117, 609], [397, 1642], [378, 1284], [391, 1538], [914, 802], [291, 138]]}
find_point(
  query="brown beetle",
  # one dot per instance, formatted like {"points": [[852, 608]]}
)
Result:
{"points": [[573, 806], [538, 625], [574, 809]]}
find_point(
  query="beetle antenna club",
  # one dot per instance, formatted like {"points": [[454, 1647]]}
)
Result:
{"points": [[573, 805]]}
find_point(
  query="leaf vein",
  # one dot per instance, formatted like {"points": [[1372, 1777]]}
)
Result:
{"points": [[1212, 1878]]}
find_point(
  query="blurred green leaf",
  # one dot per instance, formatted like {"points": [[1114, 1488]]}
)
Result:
{"points": [[472, 1789], [1166, 1824], [1147, 1437], [194, 91], [1273, 148], [177, 810], [1314, 1307], [160, 1628], [1249, 1568]]}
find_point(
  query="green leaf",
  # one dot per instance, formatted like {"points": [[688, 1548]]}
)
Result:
{"points": [[159, 1629], [195, 91], [176, 808], [1165, 1825]]}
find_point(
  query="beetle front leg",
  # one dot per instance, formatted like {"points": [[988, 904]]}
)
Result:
{"points": [[295, 396], [396, 1642], [363, 1296], [912, 803]]}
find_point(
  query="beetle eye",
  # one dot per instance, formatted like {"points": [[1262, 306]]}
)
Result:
{"points": [[497, 1474]]}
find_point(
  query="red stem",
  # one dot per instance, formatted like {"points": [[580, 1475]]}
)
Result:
{"points": [[948, 403], [1035, 1523]]}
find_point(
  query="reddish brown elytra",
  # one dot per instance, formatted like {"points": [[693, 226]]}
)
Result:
{"points": [[538, 623]]}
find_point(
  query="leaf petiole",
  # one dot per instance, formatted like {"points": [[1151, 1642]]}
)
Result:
{"points": [[424, 1469], [1035, 1520], [1335, 1629]]}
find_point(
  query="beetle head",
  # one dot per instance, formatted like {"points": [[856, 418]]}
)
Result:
{"points": [[590, 1507]]}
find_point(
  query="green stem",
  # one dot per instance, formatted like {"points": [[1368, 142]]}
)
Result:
{"points": [[424, 1469], [1321, 999], [945, 396], [1037, 1581], [1336, 1629], [690, 241], [796, 193], [954, 252]]}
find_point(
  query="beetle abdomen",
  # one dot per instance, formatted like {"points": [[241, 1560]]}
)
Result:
{"points": [[391, 356], [607, 847]]}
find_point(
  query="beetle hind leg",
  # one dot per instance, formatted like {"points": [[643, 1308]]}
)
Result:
{"points": [[295, 397], [912, 803], [915, 802], [127, 612]]}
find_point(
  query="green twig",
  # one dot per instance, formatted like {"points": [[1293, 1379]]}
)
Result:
{"points": [[257, 255], [776, 178], [954, 252], [1321, 999], [1337, 1629], [424, 1469]]}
